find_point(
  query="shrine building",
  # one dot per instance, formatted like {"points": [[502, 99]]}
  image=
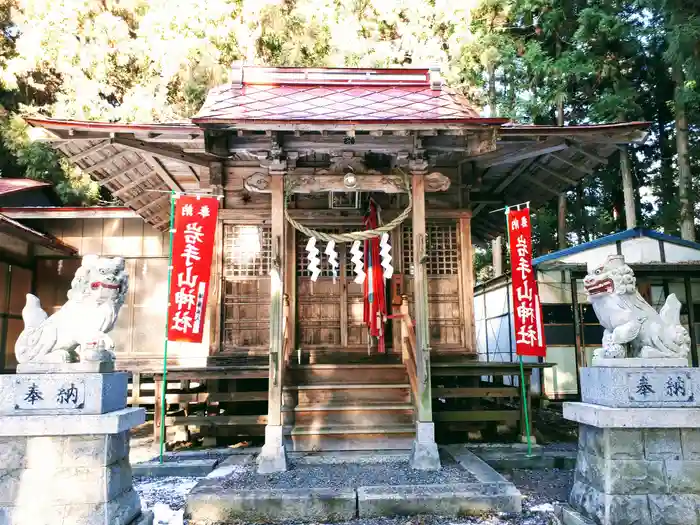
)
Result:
{"points": [[294, 154]]}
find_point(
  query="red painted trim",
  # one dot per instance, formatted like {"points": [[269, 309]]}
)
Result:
{"points": [[36, 186], [72, 209], [185, 129], [391, 71], [527, 127], [475, 120]]}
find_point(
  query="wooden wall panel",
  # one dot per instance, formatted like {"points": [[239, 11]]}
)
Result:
{"points": [[246, 314], [357, 330], [319, 312]]}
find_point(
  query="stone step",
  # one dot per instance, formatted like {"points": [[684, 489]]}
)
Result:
{"points": [[353, 374]]}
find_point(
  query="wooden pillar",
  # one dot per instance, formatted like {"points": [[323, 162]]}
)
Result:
{"points": [[214, 305], [497, 256], [290, 280], [466, 266], [424, 455], [272, 456], [627, 188]]}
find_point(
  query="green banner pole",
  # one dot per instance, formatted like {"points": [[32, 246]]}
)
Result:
{"points": [[164, 387], [523, 393]]}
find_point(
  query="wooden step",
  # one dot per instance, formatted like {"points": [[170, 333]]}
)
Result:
{"points": [[350, 437], [348, 386], [337, 407], [351, 416], [349, 374], [333, 356], [350, 394]]}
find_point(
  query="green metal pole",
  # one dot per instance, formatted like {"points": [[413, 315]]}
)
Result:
{"points": [[527, 417], [523, 393], [164, 387]]}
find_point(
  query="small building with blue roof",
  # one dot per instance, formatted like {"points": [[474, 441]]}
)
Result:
{"points": [[663, 264]]}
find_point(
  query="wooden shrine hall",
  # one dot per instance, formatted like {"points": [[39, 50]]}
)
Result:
{"points": [[299, 151]]}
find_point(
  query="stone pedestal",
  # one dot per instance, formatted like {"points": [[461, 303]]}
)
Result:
{"points": [[64, 450], [424, 453], [639, 445], [273, 457]]}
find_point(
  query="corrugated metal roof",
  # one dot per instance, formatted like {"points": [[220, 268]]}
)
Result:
{"points": [[19, 230]]}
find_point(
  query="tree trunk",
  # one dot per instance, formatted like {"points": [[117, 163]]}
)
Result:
{"points": [[583, 215], [685, 191], [561, 221], [492, 90], [561, 203], [628, 188], [497, 256], [667, 191]]}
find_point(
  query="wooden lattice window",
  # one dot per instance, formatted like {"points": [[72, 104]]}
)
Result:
{"points": [[247, 250], [441, 245]]}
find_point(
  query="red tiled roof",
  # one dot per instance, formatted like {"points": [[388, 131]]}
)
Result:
{"points": [[267, 95], [8, 186]]}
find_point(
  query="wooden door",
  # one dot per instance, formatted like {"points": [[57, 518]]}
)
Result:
{"points": [[330, 310], [442, 268], [246, 287]]}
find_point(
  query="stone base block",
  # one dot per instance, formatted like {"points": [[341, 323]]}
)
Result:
{"points": [[640, 362], [82, 367], [641, 386], [440, 500], [71, 425], [122, 510], [638, 476], [273, 457], [424, 453], [50, 454], [74, 394], [220, 505], [67, 478], [609, 417]]}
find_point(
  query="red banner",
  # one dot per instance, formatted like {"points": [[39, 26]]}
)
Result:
{"points": [[529, 329], [193, 244]]}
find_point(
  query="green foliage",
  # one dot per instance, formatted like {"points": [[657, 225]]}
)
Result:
{"points": [[38, 161], [531, 60]]}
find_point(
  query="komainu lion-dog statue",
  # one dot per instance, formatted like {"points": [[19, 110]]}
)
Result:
{"points": [[78, 330], [629, 320]]}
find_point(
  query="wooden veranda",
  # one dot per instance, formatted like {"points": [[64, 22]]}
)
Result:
{"points": [[290, 134]]}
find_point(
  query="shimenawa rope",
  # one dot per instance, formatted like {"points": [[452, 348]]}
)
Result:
{"points": [[351, 236]]}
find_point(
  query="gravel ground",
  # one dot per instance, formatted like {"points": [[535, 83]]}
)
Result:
{"points": [[166, 496], [542, 486], [343, 475], [170, 491]]}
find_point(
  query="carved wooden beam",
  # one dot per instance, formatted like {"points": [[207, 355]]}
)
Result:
{"points": [[150, 149], [164, 174], [260, 183]]}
